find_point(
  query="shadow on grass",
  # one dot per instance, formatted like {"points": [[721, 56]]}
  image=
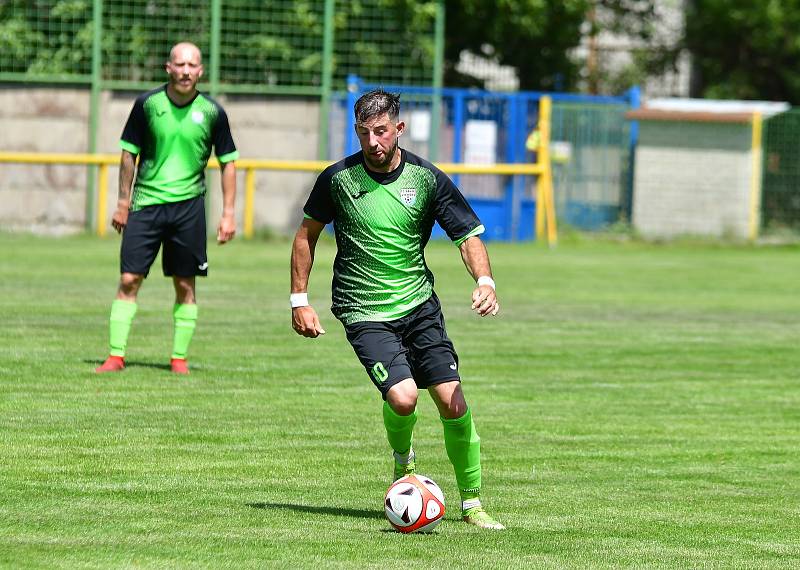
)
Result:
{"points": [[130, 364], [334, 511]]}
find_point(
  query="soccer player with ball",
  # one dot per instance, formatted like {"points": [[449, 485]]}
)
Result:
{"points": [[383, 202]]}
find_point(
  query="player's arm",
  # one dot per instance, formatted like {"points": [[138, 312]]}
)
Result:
{"points": [[227, 223], [459, 221], [476, 258], [226, 152], [305, 321], [127, 167]]}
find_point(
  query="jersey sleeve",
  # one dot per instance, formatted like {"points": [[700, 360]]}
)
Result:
{"points": [[224, 146], [319, 205], [133, 135], [453, 212]]}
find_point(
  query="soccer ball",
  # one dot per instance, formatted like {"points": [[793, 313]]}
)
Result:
{"points": [[414, 503]]}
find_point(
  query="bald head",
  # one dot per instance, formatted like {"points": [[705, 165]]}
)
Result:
{"points": [[185, 50], [185, 68]]}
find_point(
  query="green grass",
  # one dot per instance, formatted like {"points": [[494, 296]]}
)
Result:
{"points": [[639, 406]]}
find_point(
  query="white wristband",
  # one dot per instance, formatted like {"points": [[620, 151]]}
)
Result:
{"points": [[298, 300], [486, 280]]}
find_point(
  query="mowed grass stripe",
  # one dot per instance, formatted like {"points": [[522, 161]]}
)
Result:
{"points": [[638, 406]]}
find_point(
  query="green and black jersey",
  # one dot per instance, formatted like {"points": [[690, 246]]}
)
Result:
{"points": [[175, 144], [382, 223]]}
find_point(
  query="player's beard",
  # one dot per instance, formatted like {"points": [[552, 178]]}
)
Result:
{"points": [[179, 87], [387, 159]]}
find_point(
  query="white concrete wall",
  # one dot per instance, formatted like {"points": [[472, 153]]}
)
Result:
{"points": [[46, 199], [52, 199], [692, 178]]}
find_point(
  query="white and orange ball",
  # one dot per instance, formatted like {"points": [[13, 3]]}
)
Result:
{"points": [[414, 503]]}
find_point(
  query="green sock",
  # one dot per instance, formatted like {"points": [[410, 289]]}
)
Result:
{"points": [[122, 313], [464, 450], [399, 429], [185, 317]]}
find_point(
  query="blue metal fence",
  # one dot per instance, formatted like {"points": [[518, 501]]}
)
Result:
{"points": [[591, 149]]}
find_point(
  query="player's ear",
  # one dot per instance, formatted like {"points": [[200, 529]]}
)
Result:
{"points": [[401, 127], [200, 72]]}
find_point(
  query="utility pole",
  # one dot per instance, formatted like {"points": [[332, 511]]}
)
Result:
{"points": [[591, 59]]}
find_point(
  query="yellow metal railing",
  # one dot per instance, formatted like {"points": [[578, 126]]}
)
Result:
{"points": [[545, 203], [755, 175], [545, 212]]}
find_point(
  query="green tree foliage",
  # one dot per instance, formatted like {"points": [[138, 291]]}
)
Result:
{"points": [[138, 34], [655, 48], [534, 36], [275, 43], [539, 37], [385, 41], [380, 40], [46, 36], [279, 43], [745, 50]]}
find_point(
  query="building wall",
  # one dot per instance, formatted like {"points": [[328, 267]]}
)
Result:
{"points": [[52, 199], [614, 51], [46, 199], [692, 178]]}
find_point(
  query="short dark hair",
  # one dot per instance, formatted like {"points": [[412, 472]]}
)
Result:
{"points": [[375, 103]]}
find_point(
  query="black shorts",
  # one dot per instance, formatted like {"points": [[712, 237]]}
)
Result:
{"points": [[180, 226], [415, 346]]}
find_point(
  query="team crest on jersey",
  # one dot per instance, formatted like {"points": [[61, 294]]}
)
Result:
{"points": [[197, 116], [408, 196]]}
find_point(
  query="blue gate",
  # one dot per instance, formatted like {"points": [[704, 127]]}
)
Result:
{"points": [[591, 145]]}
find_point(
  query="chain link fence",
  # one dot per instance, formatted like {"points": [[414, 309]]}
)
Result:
{"points": [[590, 150], [780, 198], [45, 41], [249, 45]]}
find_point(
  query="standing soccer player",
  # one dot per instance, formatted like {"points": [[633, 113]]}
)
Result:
{"points": [[383, 202], [172, 129]]}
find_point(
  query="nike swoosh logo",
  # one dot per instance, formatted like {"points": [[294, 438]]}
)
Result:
{"points": [[203, 266], [453, 366], [357, 196]]}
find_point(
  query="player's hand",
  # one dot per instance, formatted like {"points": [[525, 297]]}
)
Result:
{"points": [[484, 301], [120, 219], [226, 229], [305, 322]]}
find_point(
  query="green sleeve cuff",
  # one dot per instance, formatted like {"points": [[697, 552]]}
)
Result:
{"points": [[130, 147], [231, 156], [477, 231], [307, 217]]}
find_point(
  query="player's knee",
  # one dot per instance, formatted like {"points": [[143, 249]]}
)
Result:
{"points": [[404, 407], [402, 400], [129, 284]]}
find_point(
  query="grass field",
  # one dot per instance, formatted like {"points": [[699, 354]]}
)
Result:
{"points": [[639, 406]]}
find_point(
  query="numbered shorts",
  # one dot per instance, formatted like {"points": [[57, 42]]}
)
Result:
{"points": [[415, 346], [179, 226]]}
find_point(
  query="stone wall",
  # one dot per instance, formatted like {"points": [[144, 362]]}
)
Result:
{"points": [[52, 199]]}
